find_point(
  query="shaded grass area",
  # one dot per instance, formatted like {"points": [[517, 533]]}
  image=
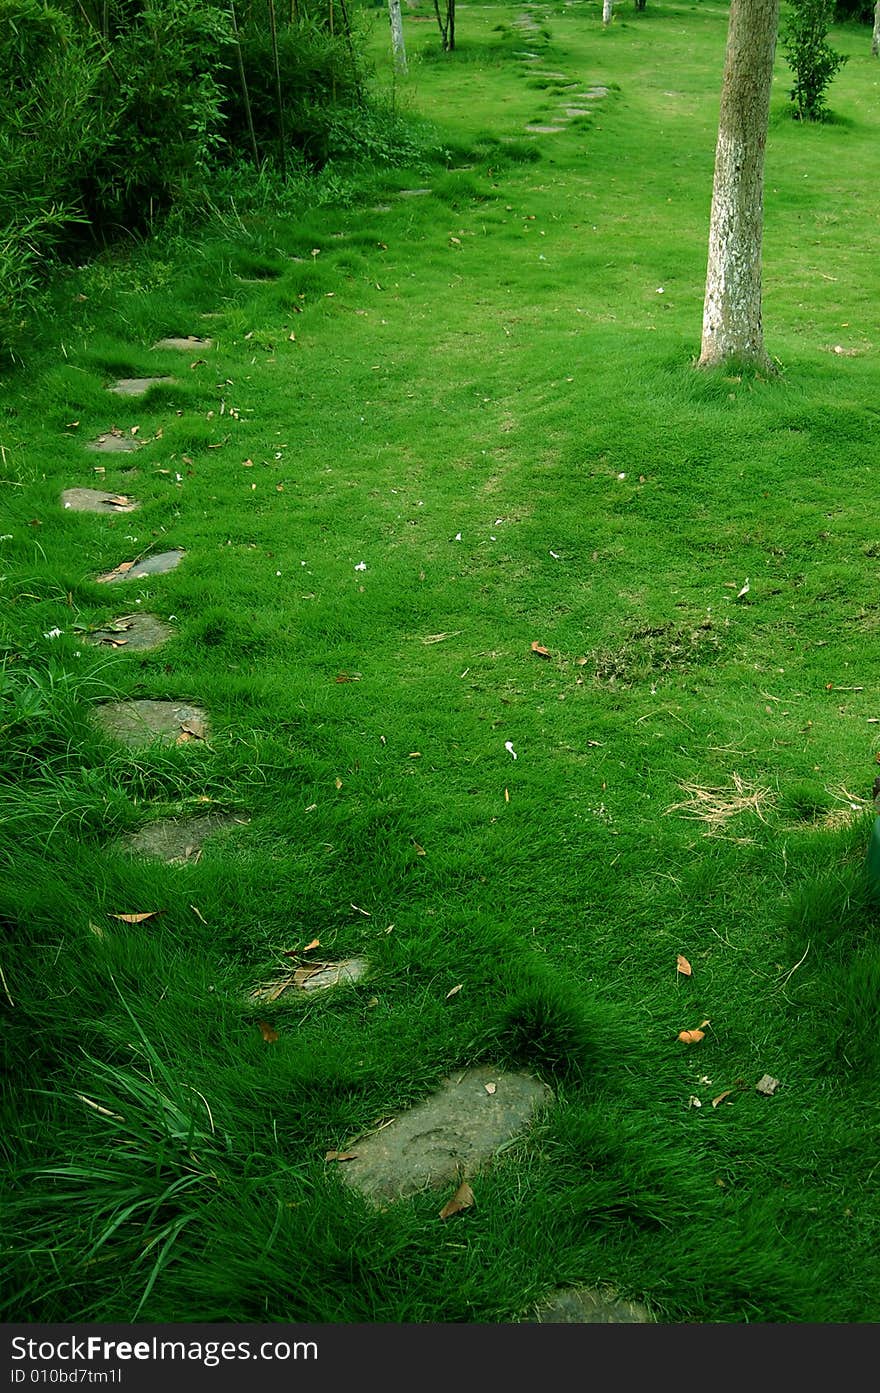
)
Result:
{"points": [[434, 430]]}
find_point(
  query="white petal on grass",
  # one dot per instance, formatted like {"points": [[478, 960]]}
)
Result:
{"points": [[508, 745]]}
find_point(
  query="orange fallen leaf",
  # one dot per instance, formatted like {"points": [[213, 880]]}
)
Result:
{"points": [[341, 1156], [541, 651], [194, 728], [315, 943], [721, 1097], [268, 1034], [691, 1037], [490, 1088], [683, 966], [119, 571], [455, 991], [462, 1199], [135, 918]]}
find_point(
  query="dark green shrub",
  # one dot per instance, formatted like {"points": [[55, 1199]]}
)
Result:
{"points": [[318, 72], [161, 104], [48, 131], [811, 59]]}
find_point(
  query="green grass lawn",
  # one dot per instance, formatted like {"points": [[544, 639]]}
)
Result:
{"points": [[434, 431]]}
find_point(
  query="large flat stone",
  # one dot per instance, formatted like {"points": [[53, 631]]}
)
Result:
{"points": [[113, 442], [97, 501], [141, 723], [450, 1135], [156, 565], [537, 129], [135, 386], [176, 841], [136, 632], [186, 344], [588, 1306]]}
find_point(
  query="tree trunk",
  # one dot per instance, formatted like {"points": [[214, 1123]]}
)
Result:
{"points": [[732, 326], [397, 35], [607, 11], [875, 37]]}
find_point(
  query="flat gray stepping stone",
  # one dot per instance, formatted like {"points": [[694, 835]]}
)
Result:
{"points": [[156, 565], [113, 442], [97, 501], [595, 92], [544, 130], [176, 841], [184, 344], [140, 723], [136, 632], [412, 193], [335, 975], [448, 1136], [577, 111], [558, 77], [135, 386], [587, 1306]]}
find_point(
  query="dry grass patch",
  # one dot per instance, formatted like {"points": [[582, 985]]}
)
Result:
{"points": [[717, 806]]}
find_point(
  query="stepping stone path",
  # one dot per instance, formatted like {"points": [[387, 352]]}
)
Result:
{"points": [[96, 501], [185, 344], [142, 723], [177, 841], [448, 1137], [413, 193], [150, 566], [113, 442], [137, 632], [588, 1306], [135, 386]]}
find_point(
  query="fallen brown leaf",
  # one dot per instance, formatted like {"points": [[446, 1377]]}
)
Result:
{"points": [[455, 991], [194, 728], [341, 1156], [691, 1037], [267, 1032], [462, 1199], [490, 1088], [135, 918], [541, 651], [683, 966], [721, 1097], [120, 570], [315, 943]]}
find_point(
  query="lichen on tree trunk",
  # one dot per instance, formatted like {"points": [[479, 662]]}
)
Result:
{"points": [[397, 35], [732, 327]]}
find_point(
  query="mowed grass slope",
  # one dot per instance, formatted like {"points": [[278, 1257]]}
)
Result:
{"points": [[432, 431]]}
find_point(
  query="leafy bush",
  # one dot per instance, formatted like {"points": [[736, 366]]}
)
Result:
{"points": [[161, 101], [317, 71], [811, 59], [48, 76]]}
